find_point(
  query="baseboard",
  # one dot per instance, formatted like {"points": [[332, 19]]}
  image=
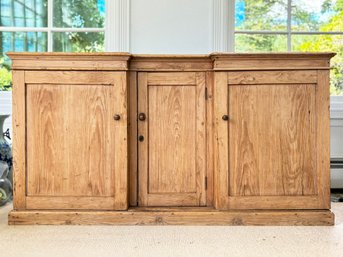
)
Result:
{"points": [[182, 216]]}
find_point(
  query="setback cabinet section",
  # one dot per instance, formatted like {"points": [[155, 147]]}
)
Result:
{"points": [[270, 152], [172, 139], [76, 139]]}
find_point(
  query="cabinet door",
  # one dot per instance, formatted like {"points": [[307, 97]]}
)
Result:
{"points": [[76, 151], [172, 155], [272, 152]]}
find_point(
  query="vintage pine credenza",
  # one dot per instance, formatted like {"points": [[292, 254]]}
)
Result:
{"points": [[219, 139]]}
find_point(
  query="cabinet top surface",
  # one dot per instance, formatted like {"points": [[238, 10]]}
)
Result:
{"points": [[120, 61], [16, 55]]}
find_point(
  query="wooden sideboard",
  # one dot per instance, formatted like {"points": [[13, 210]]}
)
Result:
{"points": [[219, 139]]}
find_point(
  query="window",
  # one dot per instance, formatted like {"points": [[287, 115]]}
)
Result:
{"points": [[49, 25], [292, 25]]}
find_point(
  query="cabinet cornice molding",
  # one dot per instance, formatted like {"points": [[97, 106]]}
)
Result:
{"points": [[151, 62]]}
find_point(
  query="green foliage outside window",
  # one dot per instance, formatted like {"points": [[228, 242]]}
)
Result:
{"points": [[5, 76], [77, 14]]}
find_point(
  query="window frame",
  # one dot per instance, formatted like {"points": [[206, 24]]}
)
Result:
{"points": [[287, 32], [50, 29]]}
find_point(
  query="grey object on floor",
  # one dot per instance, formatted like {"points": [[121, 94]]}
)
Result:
{"points": [[5, 184]]}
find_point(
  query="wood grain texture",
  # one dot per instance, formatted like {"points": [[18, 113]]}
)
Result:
{"points": [[19, 140], [65, 77], [172, 123], [182, 217], [133, 147], [70, 203], [170, 63], [176, 78], [276, 61], [272, 77], [83, 151], [271, 145], [70, 65], [76, 141], [259, 65], [221, 149], [272, 140], [120, 133], [175, 123], [270, 56], [200, 132], [270, 156], [323, 138], [143, 156], [209, 138], [70, 61], [298, 202]]}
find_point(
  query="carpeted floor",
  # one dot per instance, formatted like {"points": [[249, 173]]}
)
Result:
{"points": [[164, 241]]}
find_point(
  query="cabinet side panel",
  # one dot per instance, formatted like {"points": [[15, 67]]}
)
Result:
{"points": [[19, 140], [323, 137]]}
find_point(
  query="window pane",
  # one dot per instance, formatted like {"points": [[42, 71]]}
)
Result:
{"points": [[78, 42], [24, 13], [79, 13], [261, 15], [23, 41], [319, 15], [260, 43], [19, 42], [324, 43]]}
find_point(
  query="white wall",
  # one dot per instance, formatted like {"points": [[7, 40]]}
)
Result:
{"points": [[166, 27]]}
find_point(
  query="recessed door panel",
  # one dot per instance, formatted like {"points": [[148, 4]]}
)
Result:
{"points": [[272, 140], [172, 155], [76, 140], [172, 123]]}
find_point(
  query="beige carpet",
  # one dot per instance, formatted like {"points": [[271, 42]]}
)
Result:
{"points": [[74, 241]]}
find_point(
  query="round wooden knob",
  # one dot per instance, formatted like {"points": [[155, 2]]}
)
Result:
{"points": [[225, 117], [116, 117], [142, 116]]}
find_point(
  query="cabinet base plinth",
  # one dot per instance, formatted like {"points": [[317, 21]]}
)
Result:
{"points": [[173, 216]]}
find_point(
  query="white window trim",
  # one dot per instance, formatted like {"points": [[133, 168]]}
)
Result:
{"points": [[117, 26]]}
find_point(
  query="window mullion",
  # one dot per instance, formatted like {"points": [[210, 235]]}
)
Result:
{"points": [[231, 26], [289, 25], [50, 25]]}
